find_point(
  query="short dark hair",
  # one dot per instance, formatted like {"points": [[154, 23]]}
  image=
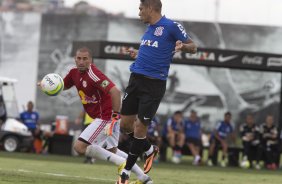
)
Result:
{"points": [[85, 49], [177, 112], [250, 114], [228, 114], [30, 102], [193, 111], [155, 4]]}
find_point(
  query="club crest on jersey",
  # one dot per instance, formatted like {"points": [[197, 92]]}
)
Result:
{"points": [[84, 84], [159, 31], [105, 83]]}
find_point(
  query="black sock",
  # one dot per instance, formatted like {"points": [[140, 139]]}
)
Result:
{"points": [[147, 144], [135, 150]]}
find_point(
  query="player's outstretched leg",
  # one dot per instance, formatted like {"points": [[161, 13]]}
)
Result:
{"points": [[118, 159]]}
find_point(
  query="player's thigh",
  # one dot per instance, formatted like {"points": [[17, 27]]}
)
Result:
{"points": [[130, 98], [181, 137], [151, 94], [127, 123], [80, 146], [95, 132]]}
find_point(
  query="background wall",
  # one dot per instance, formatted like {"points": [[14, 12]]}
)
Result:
{"points": [[211, 91], [19, 49]]}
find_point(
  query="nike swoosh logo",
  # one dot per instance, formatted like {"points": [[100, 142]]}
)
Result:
{"points": [[223, 59]]}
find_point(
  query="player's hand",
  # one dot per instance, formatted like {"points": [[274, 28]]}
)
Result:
{"points": [[110, 127], [250, 136], [246, 138], [178, 46], [130, 51]]}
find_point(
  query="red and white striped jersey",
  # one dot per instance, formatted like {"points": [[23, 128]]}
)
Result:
{"points": [[93, 87]]}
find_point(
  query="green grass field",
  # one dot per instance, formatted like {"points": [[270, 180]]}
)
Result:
{"points": [[21, 168]]}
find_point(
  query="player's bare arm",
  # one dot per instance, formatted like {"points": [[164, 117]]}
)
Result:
{"points": [[188, 46], [131, 52], [116, 98]]}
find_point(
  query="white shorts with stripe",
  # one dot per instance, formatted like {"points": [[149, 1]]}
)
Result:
{"points": [[95, 134]]}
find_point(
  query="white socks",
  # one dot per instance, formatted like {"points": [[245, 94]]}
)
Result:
{"points": [[102, 154], [127, 172], [118, 159], [197, 158], [121, 153]]}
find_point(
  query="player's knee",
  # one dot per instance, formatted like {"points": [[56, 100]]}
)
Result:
{"points": [[145, 121], [79, 148], [123, 126], [126, 123]]}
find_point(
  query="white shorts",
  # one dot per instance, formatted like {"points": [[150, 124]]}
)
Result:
{"points": [[95, 134]]}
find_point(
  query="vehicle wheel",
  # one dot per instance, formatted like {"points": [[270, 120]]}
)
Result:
{"points": [[11, 143]]}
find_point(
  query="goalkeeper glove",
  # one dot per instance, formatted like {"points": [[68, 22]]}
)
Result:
{"points": [[110, 127]]}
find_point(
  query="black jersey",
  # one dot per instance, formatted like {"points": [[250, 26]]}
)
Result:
{"points": [[269, 135], [250, 133]]}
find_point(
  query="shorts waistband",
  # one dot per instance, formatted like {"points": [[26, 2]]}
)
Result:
{"points": [[144, 76]]}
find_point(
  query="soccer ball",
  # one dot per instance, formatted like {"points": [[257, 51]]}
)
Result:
{"points": [[245, 164], [52, 84]]}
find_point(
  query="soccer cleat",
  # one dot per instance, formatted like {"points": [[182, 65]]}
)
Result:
{"points": [[175, 160], [258, 167], [149, 159], [197, 160], [210, 162], [195, 163], [136, 182], [123, 179], [223, 163], [148, 181], [89, 160], [121, 167]]}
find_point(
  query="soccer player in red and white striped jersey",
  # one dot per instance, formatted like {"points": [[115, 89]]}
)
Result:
{"points": [[102, 101]]}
